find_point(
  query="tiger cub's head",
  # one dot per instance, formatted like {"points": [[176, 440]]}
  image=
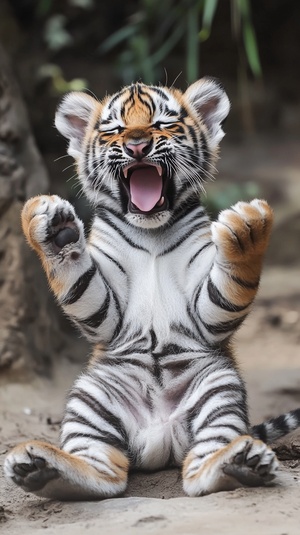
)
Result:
{"points": [[147, 149]]}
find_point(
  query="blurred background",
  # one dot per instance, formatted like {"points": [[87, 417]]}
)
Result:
{"points": [[251, 46]]}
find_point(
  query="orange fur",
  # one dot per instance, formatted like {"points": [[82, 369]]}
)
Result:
{"points": [[212, 460], [61, 459]]}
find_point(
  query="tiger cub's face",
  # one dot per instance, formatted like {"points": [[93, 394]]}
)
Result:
{"points": [[146, 149]]}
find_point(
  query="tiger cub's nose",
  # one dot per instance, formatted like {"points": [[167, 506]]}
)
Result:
{"points": [[138, 150]]}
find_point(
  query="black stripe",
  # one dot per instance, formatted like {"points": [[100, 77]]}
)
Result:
{"points": [[260, 431], [245, 284], [117, 305], [157, 371], [280, 424], [156, 365], [116, 97], [186, 207], [79, 287], [212, 392], [109, 258], [208, 244], [170, 349], [224, 326], [240, 411], [78, 435], [217, 299], [107, 438], [99, 316], [74, 417], [205, 152], [127, 336], [136, 350], [189, 233], [118, 215], [160, 92], [94, 175], [101, 212], [118, 392], [218, 438], [184, 330], [100, 410], [153, 339], [120, 315], [194, 153], [195, 324], [123, 361], [178, 365], [233, 427]]}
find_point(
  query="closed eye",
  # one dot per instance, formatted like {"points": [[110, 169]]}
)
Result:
{"points": [[112, 130], [163, 124]]}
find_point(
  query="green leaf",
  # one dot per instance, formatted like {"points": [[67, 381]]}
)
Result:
{"points": [[56, 36], [251, 49], [243, 6], [78, 84], [116, 38], [168, 45], [192, 48], [209, 10]]}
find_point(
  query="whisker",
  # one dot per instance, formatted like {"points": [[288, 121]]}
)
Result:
{"points": [[69, 167], [61, 157]]}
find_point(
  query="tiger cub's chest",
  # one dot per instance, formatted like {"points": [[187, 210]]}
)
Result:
{"points": [[156, 292]]}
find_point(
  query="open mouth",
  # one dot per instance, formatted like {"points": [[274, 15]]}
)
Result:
{"points": [[145, 186]]}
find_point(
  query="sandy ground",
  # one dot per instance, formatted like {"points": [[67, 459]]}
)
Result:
{"points": [[268, 352]]}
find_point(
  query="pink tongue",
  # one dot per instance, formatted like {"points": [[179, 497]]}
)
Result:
{"points": [[145, 188]]}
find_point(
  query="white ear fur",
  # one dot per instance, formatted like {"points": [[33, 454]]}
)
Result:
{"points": [[72, 118], [211, 104]]}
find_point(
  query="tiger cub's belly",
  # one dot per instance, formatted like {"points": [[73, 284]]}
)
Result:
{"points": [[162, 442]]}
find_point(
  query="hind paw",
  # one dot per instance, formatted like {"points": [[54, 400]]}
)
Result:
{"points": [[244, 462], [253, 465], [25, 466]]}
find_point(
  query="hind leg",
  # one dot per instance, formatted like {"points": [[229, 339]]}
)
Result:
{"points": [[49, 472], [244, 462], [92, 461], [223, 456]]}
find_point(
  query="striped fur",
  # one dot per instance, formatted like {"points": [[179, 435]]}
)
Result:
{"points": [[160, 292]]}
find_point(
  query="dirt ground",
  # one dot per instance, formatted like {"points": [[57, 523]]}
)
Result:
{"points": [[268, 351]]}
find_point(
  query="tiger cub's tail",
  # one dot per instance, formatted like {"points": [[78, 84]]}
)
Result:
{"points": [[275, 428]]}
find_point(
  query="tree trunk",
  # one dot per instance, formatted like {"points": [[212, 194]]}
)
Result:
{"points": [[28, 326]]}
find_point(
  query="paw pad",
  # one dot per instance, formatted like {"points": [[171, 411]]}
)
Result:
{"points": [[65, 236]]}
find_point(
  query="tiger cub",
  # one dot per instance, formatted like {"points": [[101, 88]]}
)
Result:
{"points": [[159, 290]]}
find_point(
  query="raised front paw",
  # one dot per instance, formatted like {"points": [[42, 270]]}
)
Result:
{"points": [[50, 223], [28, 467], [242, 233]]}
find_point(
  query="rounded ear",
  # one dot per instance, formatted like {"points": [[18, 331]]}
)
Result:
{"points": [[210, 102], [72, 118]]}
